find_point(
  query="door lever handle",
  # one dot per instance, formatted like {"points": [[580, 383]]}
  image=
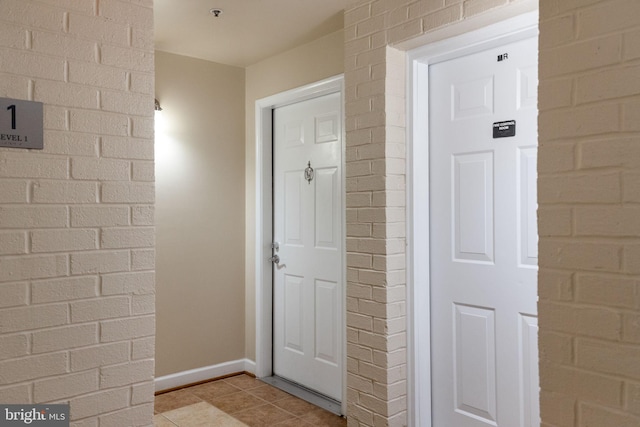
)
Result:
{"points": [[275, 259]]}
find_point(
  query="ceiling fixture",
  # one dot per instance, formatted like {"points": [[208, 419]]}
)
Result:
{"points": [[215, 12]]}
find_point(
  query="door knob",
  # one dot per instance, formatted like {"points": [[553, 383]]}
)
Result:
{"points": [[275, 259]]}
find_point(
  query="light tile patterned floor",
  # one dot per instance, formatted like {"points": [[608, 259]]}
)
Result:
{"points": [[238, 401]]}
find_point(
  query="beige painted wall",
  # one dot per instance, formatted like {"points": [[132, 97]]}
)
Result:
{"points": [[200, 213], [303, 65]]}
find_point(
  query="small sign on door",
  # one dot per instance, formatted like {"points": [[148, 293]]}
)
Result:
{"points": [[504, 129], [21, 124]]}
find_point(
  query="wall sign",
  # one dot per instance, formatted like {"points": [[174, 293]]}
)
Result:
{"points": [[504, 129], [21, 124]]}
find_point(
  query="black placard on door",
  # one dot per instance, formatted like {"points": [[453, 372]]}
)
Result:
{"points": [[504, 129]]}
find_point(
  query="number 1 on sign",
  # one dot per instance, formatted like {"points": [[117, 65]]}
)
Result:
{"points": [[13, 115]]}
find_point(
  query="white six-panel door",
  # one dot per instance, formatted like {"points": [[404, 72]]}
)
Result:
{"points": [[308, 288], [484, 239]]}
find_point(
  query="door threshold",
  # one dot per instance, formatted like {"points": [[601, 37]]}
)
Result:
{"points": [[304, 393]]}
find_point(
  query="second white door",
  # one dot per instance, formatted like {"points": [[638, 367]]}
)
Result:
{"points": [[483, 142], [308, 281]]}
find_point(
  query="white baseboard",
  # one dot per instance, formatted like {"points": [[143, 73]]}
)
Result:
{"points": [[191, 376]]}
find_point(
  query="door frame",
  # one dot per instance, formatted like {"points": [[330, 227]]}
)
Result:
{"points": [[264, 219], [509, 28]]}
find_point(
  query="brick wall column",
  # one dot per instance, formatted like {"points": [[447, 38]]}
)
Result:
{"points": [[77, 242], [589, 195], [375, 170]]}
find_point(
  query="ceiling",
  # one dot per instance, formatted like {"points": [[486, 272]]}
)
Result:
{"points": [[246, 32]]}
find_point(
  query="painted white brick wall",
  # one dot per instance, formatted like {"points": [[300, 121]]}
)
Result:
{"points": [[77, 242], [375, 170], [588, 192], [588, 216]]}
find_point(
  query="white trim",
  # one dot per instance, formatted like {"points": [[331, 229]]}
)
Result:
{"points": [[192, 376], [418, 307], [264, 220]]}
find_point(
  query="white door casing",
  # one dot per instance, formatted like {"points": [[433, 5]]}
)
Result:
{"points": [[484, 237], [308, 285], [420, 248], [263, 232]]}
